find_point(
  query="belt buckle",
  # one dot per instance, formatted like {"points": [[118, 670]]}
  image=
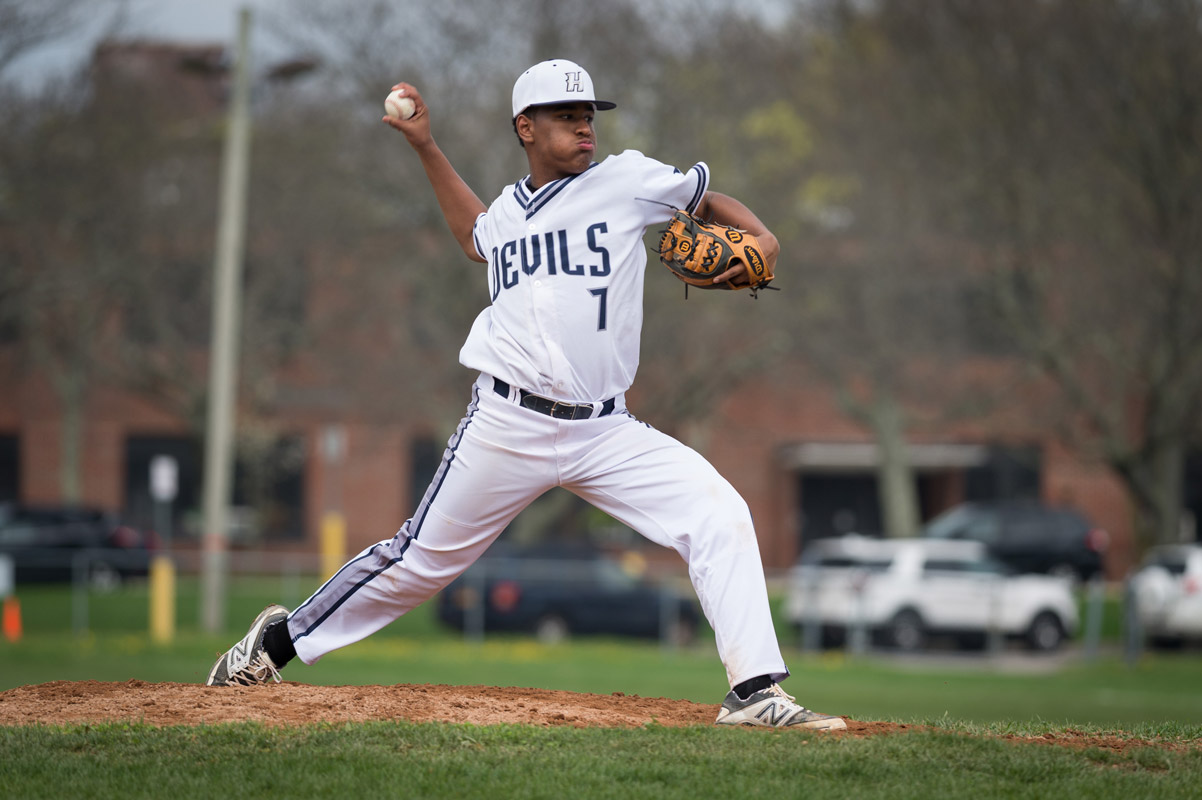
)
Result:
{"points": [[570, 410]]}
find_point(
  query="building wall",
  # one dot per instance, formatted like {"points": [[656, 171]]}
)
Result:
{"points": [[375, 488], [757, 422], [369, 486], [1096, 491]]}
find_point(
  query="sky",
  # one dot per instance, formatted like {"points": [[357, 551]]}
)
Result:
{"points": [[206, 21], [198, 21]]}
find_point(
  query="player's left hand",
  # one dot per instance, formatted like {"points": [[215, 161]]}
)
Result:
{"points": [[732, 274]]}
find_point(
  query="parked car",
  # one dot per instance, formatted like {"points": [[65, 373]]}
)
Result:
{"points": [[1030, 537], [904, 591], [556, 597], [48, 544], [1168, 594]]}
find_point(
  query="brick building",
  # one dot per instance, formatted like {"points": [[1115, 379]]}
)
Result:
{"points": [[804, 469]]}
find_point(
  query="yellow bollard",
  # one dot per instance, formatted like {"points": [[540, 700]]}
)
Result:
{"points": [[162, 600], [333, 544]]}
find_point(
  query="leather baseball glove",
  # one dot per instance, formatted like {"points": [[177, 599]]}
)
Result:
{"points": [[697, 252]]}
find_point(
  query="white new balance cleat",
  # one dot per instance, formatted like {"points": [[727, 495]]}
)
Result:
{"points": [[247, 663], [772, 708]]}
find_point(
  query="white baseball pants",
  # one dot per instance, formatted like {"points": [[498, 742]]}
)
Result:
{"points": [[501, 458]]}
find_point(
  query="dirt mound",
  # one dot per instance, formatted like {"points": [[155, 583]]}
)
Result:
{"points": [[288, 703]]}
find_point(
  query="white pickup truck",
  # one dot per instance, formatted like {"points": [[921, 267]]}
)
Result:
{"points": [[902, 591]]}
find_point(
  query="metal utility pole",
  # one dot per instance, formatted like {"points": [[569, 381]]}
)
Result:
{"points": [[227, 285]]}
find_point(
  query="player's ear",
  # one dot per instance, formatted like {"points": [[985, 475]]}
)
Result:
{"points": [[524, 125]]}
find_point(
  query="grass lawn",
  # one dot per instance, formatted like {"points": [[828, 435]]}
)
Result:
{"points": [[444, 760]]}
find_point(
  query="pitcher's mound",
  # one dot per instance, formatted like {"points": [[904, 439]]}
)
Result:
{"points": [[291, 703]]}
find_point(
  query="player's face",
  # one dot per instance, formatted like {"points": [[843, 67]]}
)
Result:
{"points": [[560, 140]]}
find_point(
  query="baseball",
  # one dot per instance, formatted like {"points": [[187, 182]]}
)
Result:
{"points": [[399, 106]]}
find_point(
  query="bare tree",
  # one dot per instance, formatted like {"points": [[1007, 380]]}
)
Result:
{"points": [[864, 301], [66, 250], [1068, 140], [108, 235], [26, 25]]}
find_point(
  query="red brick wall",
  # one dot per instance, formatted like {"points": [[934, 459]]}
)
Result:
{"points": [[370, 489], [1095, 491], [373, 487]]}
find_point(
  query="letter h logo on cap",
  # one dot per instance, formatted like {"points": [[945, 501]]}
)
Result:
{"points": [[573, 82]]}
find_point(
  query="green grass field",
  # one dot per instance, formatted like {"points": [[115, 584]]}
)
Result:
{"points": [[441, 760], [967, 699]]}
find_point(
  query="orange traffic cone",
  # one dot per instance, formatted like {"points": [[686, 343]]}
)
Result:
{"points": [[12, 619]]}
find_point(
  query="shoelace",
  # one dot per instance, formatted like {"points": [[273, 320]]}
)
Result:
{"points": [[256, 672], [801, 709], [775, 689]]}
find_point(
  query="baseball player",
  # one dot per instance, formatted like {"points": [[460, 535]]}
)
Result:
{"points": [[555, 352]]}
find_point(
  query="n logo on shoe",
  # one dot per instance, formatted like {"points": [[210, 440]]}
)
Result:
{"points": [[775, 714], [239, 657]]}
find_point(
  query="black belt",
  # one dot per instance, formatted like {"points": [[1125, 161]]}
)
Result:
{"points": [[553, 408]]}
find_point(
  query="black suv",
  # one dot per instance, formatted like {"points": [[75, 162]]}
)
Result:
{"points": [[51, 543], [555, 597], [1029, 537]]}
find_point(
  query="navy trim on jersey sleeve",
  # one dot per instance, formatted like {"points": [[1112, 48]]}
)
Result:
{"points": [[703, 183], [480, 249]]}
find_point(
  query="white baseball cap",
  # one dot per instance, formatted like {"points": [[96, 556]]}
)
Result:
{"points": [[554, 82]]}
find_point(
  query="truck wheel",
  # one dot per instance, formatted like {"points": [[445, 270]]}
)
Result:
{"points": [[1046, 633], [907, 632]]}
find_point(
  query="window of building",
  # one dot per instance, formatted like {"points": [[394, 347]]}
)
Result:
{"points": [[1009, 473], [178, 517], [835, 504], [268, 496], [10, 468], [1192, 496]]}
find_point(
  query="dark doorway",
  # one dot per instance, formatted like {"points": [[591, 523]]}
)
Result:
{"points": [[10, 468], [834, 504], [1191, 497], [1009, 473]]}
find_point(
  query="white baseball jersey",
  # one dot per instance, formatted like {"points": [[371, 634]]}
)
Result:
{"points": [[565, 274]]}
